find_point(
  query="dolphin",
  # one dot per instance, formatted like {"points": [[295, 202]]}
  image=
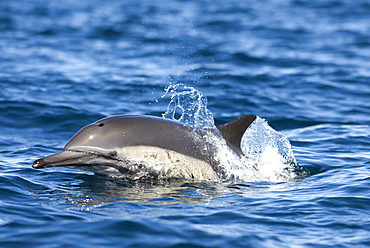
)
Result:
{"points": [[141, 148]]}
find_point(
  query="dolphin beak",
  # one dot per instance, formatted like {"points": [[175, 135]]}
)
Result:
{"points": [[63, 158]]}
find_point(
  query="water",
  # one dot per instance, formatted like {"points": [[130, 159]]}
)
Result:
{"points": [[303, 66]]}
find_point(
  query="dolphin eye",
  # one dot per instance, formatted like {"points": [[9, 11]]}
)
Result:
{"points": [[100, 124], [113, 154]]}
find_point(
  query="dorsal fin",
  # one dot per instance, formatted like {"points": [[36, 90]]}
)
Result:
{"points": [[233, 131]]}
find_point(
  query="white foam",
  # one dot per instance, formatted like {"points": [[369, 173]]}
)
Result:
{"points": [[270, 150]]}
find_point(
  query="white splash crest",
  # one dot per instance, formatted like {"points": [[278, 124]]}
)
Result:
{"points": [[270, 150]]}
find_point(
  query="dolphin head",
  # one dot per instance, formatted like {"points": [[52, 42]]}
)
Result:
{"points": [[94, 145]]}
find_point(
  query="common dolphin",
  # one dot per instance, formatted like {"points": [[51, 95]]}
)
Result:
{"points": [[145, 148]]}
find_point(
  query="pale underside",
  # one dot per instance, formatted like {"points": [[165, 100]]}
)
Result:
{"points": [[146, 162]]}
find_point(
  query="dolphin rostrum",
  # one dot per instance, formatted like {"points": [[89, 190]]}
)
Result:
{"points": [[145, 148]]}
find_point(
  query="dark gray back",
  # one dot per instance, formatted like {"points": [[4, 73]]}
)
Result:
{"points": [[131, 130]]}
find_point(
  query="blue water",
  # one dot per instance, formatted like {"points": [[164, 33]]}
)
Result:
{"points": [[303, 66]]}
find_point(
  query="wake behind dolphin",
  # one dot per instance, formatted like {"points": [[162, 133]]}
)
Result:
{"points": [[148, 148]]}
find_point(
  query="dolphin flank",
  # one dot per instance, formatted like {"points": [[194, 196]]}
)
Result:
{"points": [[145, 148]]}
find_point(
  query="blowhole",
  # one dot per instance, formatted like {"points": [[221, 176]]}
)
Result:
{"points": [[100, 124]]}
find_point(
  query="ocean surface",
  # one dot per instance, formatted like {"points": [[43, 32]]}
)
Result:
{"points": [[303, 66]]}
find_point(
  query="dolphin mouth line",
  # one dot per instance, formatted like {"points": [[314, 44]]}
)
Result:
{"points": [[111, 155], [72, 157], [88, 158]]}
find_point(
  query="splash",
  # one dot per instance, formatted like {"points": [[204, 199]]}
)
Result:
{"points": [[188, 106], [270, 150], [268, 155]]}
